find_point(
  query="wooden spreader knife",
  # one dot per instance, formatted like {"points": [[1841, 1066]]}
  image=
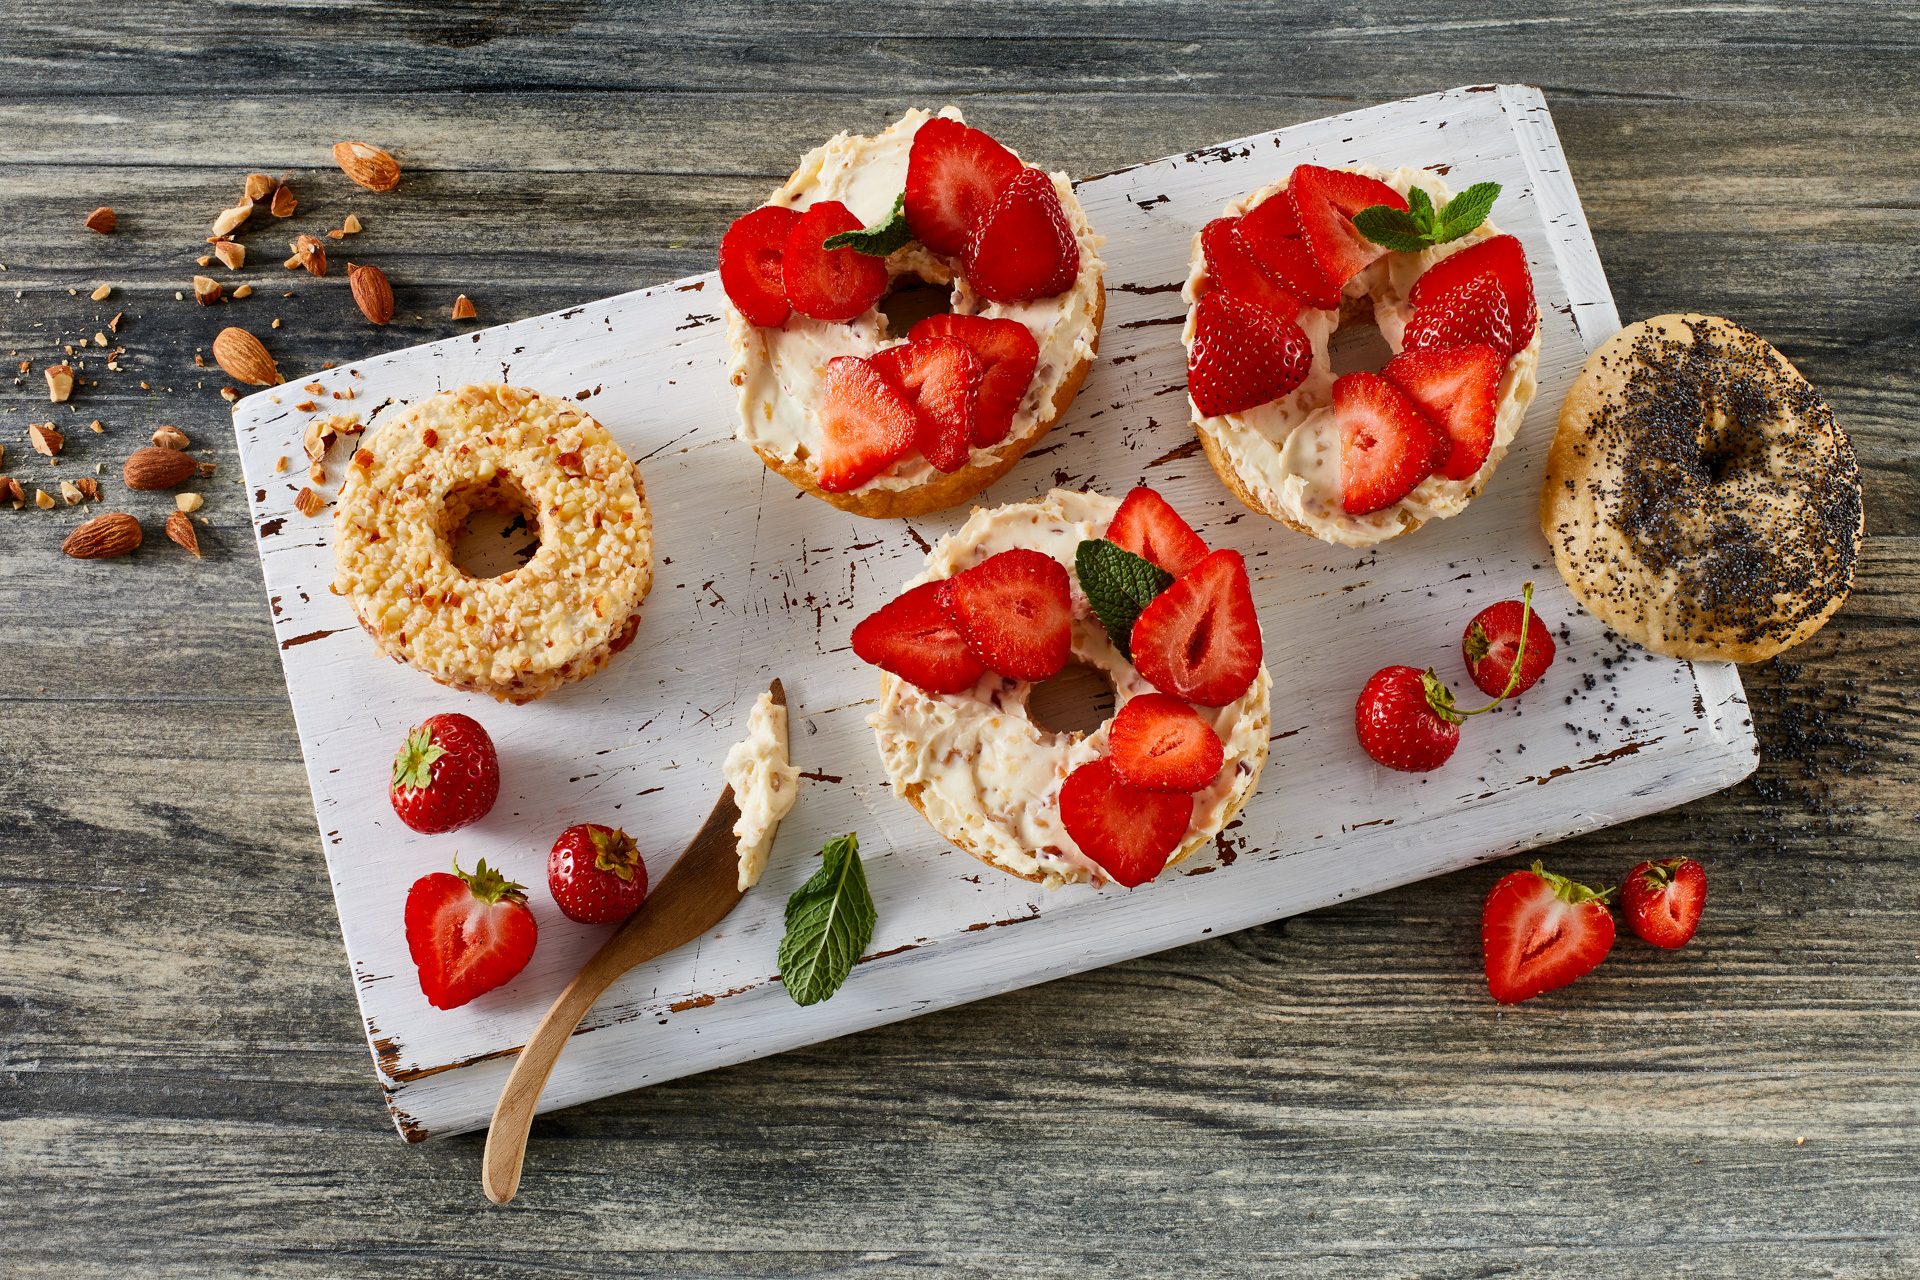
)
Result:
{"points": [[695, 895]]}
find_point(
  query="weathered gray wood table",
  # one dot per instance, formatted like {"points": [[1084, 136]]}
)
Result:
{"points": [[183, 1086]]}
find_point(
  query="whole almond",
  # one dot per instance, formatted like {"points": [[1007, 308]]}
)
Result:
{"points": [[230, 219], [372, 292], [156, 468], [59, 382], [206, 291], [231, 254], [283, 202], [259, 186], [462, 308], [113, 534], [45, 439], [171, 438], [311, 254], [242, 356], [101, 220], [180, 529], [367, 165]]}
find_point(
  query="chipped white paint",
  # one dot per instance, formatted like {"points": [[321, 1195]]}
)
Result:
{"points": [[758, 581]]}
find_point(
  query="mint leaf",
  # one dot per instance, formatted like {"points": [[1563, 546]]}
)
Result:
{"points": [[877, 241], [1417, 228], [829, 923], [1119, 584], [1420, 205], [1390, 228], [1466, 211]]}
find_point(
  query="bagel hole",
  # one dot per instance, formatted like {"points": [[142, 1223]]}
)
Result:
{"points": [[492, 529], [1358, 348], [1078, 700], [912, 301]]}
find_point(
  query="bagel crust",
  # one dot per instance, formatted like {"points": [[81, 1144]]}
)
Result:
{"points": [[412, 485], [1700, 499]]}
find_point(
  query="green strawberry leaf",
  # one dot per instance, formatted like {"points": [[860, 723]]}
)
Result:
{"points": [[1416, 228], [1466, 211], [877, 241], [1390, 228], [829, 923], [1118, 584]]}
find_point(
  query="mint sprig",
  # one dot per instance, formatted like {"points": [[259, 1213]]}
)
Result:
{"points": [[1418, 226], [829, 923], [1119, 584], [881, 239]]}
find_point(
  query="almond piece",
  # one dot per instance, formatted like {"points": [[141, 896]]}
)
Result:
{"points": [[45, 439], [42, 499], [462, 308], [309, 502], [101, 220], [351, 225], [114, 324], [311, 254], [242, 356], [180, 529], [229, 394], [206, 291], [102, 293], [188, 501], [367, 165], [244, 291], [10, 491], [71, 492], [156, 468], [283, 202], [206, 469], [113, 534], [230, 219], [89, 486], [259, 186], [97, 428], [280, 464], [171, 438], [317, 439], [59, 382], [204, 260], [231, 254], [372, 292], [317, 473]]}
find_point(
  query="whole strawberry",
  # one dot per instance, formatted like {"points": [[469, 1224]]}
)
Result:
{"points": [[446, 775], [1539, 931], [1663, 900], [1492, 641], [595, 874], [1405, 719], [468, 933]]}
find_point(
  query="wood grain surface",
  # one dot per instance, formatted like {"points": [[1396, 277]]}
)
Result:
{"points": [[183, 1085]]}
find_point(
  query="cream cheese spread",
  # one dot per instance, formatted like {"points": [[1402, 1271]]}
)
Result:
{"points": [[764, 785]]}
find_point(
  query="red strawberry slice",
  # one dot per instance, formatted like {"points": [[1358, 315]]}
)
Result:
{"points": [[1474, 312], [1324, 201], [1387, 446], [467, 933], [1200, 638], [1663, 900], [913, 638], [1023, 246], [953, 174], [866, 423], [1010, 354], [1149, 527], [1492, 641], [1161, 744], [941, 378], [1540, 931], [829, 284], [1015, 611], [1457, 388], [750, 266], [1234, 271], [1242, 356], [1272, 236], [1131, 833], [1501, 257]]}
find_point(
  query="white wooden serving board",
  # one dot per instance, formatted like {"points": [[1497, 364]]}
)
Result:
{"points": [[758, 581]]}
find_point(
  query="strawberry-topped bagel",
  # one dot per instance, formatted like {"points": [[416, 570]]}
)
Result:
{"points": [[1126, 588], [1363, 457], [884, 423]]}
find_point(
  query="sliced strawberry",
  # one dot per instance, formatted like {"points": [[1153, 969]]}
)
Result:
{"points": [[1473, 312], [1663, 900], [750, 267], [467, 933], [1149, 527], [1324, 201], [1010, 354], [1015, 611], [1387, 446], [1492, 641], [829, 284], [953, 174], [1242, 356], [1235, 272], [1200, 638], [1162, 744], [941, 378], [1539, 931], [1131, 833], [913, 638], [1023, 245], [1457, 388], [1501, 257], [1272, 236], [866, 423]]}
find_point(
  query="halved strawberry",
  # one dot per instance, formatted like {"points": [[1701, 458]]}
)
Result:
{"points": [[1200, 638], [1324, 201], [1023, 245], [866, 423], [1387, 446], [915, 639], [1242, 356], [1149, 527], [1272, 218], [829, 284], [467, 933], [1539, 931], [1234, 271], [1130, 832], [1272, 235], [1162, 744], [1015, 611], [1456, 387], [1473, 312], [941, 378], [750, 269], [1663, 900], [953, 174], [1501, 257], [1010, 354]]}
